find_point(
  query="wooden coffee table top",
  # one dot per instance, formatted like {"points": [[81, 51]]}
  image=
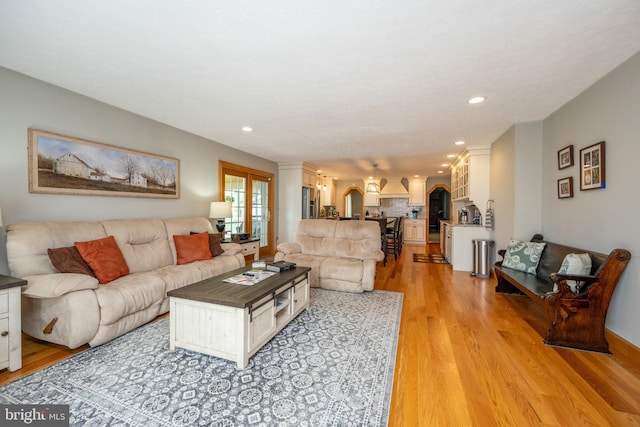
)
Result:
{"points": [[215, 291]]}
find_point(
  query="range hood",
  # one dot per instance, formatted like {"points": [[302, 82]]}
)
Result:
{"points": [[394, 189]]}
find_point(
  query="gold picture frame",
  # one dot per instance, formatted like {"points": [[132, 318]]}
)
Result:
{"points": [[60, 164]]}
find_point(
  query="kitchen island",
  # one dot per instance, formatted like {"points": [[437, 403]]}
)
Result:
{"points": [[456, 243]]}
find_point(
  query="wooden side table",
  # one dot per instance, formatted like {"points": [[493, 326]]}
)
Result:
{"points": [[250, 248], [10, 323]]}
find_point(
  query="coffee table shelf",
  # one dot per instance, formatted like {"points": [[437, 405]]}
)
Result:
{"points": [[234, 321]]}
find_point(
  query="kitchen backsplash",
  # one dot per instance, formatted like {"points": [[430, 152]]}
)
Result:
{"points": [[396, 207]]}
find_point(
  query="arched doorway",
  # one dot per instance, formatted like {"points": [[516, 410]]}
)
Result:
{"points": [[353, 199], [438, 208]]}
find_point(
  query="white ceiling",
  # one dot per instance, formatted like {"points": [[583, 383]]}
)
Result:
{"points": [[341, 84]]}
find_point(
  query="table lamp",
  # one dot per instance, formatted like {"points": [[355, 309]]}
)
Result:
{"points": [[220, 211]]}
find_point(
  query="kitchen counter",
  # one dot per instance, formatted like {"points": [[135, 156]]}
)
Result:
{"points": [[456, 242]]}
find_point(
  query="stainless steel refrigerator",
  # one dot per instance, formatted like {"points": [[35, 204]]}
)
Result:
{"points": [[309, 203]]}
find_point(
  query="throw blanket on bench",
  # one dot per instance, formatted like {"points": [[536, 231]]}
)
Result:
{"points": [[576, 304]]}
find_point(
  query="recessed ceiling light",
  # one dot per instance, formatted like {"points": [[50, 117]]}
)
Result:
{"points": [[247, 129], [444, 165], [370, 177], [459, 143], [477, 99], [416, 176], [440, 172], [450, 156]]}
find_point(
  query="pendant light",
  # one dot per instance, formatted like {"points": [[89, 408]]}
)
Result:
{"points": [[372, 186]]}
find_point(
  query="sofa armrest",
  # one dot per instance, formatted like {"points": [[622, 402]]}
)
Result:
{"points": [[289, 248], [230, 249], [57, 284], [376, 255]]}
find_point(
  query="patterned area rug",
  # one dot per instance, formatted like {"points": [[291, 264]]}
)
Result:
{"points": [[332, 365], [430, 258]]}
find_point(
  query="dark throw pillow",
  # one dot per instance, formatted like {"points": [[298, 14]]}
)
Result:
{"points": [[214, 244], [68, 260]]}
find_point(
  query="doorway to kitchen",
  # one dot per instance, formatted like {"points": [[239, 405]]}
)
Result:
{"points": [[439, 208], [353, 202]]}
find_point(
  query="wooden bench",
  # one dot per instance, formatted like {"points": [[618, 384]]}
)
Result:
{"points": [[576, 320]]}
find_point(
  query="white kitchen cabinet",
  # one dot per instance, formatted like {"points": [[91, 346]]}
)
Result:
{"points": [[415, 231], [328, 192], [470, 175], [308, 176], [371, 199], [461, 245], [417, 192]]}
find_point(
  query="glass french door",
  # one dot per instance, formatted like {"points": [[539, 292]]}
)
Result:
{"points": [[250, 192]]}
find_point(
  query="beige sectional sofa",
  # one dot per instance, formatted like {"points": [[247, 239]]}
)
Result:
{"points": [[88, 312], [342, 255]]}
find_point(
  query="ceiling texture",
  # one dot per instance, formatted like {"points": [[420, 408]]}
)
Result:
{"points": [[341, 84]]}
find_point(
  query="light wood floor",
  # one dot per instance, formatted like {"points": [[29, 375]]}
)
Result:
{"points": [[469, 357]]}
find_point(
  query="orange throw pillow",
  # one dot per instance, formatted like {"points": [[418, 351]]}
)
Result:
{"points": [[104, 257], [214, 244], [192, 248]]}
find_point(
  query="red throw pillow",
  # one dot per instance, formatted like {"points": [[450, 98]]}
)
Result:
{"points": [[104, 257], [192, 248], [68, 260], [214, 244]]}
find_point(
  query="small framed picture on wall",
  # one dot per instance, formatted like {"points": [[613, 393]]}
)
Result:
{"points": [[592, 170], [565, 157], [565, 188]]}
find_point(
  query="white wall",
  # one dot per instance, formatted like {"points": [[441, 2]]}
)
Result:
{"points": [[528, 180], [601, 219], [435, 180], [502, 187], [524, 174], [26, 102]]}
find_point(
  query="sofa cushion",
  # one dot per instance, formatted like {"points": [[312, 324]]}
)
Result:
{"points": [[68, 260], [305, 260], [192, 248], [27, 243], [214, 244], [358, 239], [144, 242], [57, 284], [177, 276], [129, 294], [523, 256], [316, 237], [104, 257]]}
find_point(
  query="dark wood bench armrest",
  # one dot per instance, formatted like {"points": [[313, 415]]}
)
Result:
{"points": [[557, 277]]}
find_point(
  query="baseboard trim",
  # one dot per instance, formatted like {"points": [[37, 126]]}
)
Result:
{"points": [[623, 349]]}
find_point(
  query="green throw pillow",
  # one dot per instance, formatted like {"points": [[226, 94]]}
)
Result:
{"points": [[523, 256]]}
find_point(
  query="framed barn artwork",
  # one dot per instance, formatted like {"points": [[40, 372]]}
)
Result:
{"points": [[60, 164]]}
